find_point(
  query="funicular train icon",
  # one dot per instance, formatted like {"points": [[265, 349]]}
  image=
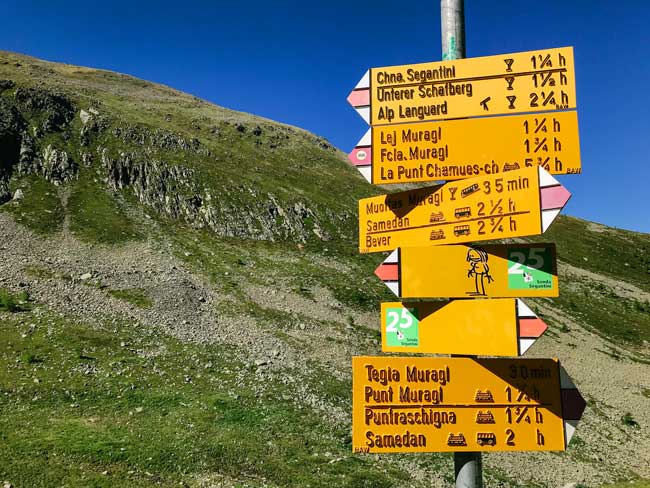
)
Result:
{"points": [[456, 440], [483, 396], [484, 417], [510, 166]]}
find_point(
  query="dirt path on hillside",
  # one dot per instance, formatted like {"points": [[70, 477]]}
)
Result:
{"points": [[185, 305], [620, 288]]}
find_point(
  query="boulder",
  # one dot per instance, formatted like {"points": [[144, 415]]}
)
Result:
{"points": [[84, 116]]}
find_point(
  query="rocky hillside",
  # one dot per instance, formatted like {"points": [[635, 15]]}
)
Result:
{"points": [[180, 297], [238, 175]]}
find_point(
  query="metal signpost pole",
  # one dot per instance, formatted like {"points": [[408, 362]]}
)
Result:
{"points": [[467, 465], [452, 22]]}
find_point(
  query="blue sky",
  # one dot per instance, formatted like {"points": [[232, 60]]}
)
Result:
{"points": [[296, 62]]}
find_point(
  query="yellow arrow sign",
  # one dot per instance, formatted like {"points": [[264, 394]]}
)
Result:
{"points": [[505, 270], [515, 204], [499, 327], [458, 149], [533, 81], [427, 404]]}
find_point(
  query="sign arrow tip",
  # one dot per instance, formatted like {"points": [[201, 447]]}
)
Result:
{"points": [[364, 82], [359, 98], [388, 272], [573, 405], [361, 156], [553, 196], [360, 95], [530, 326]]}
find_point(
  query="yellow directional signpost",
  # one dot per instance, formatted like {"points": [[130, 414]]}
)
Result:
{"points": [[498, 185], [402, 404], [457, 149], [515, 204], [463, 271], [499, 327], [534, 81]]}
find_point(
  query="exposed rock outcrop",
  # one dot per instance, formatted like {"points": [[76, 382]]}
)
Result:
{"points": [[11, 125], [55, 111], [176, 191], [37, 137], [159, 139], [56, 166]]}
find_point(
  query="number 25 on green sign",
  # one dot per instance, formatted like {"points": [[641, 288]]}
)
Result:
{"points": [[401, 327], [530, 268]]}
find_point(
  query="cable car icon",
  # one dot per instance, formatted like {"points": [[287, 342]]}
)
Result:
{"points": [[469, 190]]}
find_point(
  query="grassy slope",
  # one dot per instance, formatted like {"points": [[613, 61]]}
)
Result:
{"points": [[41, 210], [118, 406], [620, 254], [616, 254], [74, 393], [243, 261]]}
